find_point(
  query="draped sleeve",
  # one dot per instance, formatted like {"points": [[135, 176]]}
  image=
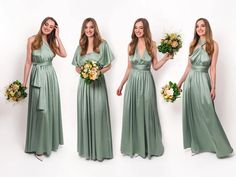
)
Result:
{"points": [[77, 57], [106, 54]]}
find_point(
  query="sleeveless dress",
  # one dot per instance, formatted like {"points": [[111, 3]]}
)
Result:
{"points": [[202, 130], [44, 124], [141, 131], [94, 138]]}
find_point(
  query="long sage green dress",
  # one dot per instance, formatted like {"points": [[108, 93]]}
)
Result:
{"points": [[94, 138], [202, 130], [141, 131], [44, 124]]}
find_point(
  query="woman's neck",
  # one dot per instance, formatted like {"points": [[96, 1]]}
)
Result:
{"points": [[90, 40], [44, 37], [141, 42]]}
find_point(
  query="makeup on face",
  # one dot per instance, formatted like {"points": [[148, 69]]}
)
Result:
{"points": [[201, 28], [48, 27], [89, 29], [139, 29]]}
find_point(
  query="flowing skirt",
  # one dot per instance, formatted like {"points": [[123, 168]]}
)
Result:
{"points": [[44, 124], [141, 131], [202, 130], [94, 127]]}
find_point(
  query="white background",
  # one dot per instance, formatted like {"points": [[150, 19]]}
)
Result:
{"points": [[21, 19]]}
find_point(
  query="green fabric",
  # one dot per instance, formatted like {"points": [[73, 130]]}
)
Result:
{"points": [[202, 130], [141, 131], [44, 125], [94, 139]]}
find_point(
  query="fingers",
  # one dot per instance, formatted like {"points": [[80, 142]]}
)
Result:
{"points": [[77, 69], [118, 92], [213, 96]]}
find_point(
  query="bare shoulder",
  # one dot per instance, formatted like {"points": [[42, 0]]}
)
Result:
{"points": [[216, 45], [129, 47], [154, 43], [31, 39]]}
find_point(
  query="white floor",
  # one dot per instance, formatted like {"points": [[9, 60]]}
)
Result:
{"points": [[175, 162]]}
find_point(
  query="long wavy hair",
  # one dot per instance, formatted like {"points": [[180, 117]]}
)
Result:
{"points": [[147, 38], [84, 39], [51, 39], [208, 36]]}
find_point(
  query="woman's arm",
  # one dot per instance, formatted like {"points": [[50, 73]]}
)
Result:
{"points": [[184, 76], [125, 78], [105, 69], [158, 64], [213, 70], [60, 50], [28, 61]]}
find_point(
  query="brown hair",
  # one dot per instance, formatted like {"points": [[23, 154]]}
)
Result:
{"points": [[84, 39], [51, 39], [147, 38], [209, 38]]}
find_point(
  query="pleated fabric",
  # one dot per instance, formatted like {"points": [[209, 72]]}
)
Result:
{"points": [[94, 138], [44, 124], [202, 130], [141, 131]]}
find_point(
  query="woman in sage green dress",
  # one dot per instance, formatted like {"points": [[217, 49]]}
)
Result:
{"points": [[44, 125], [141, 131], [94, 140], [202, 130]]}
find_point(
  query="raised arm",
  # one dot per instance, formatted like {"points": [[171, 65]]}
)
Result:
{"points": [[60, 50], [158, 64], [213, 70]]}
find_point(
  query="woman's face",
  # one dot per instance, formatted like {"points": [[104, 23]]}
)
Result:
{"points": [[89, 29], [48, 27], [201, 28], [139, 29]]}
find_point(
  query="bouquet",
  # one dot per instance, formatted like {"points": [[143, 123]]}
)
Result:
{"points": [[15, 91], [90, 71], [171, 43], [170, 92]]}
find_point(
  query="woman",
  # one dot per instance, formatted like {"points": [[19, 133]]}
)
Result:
{"points": [[141, 132], [44, 126], [94, 129], [202, 130]]}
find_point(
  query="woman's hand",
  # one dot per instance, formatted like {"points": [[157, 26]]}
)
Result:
{"points": [[213, 94], [78, 69], [179, 87], [57, 31], [168, 56], [119, 91], [23, 84]]}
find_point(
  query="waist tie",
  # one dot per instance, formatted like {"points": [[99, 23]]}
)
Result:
{"points": [[200, 68], [38, 80], [141, 67]]}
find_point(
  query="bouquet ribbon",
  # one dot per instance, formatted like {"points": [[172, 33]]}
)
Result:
{"points": [[38, 80]]}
